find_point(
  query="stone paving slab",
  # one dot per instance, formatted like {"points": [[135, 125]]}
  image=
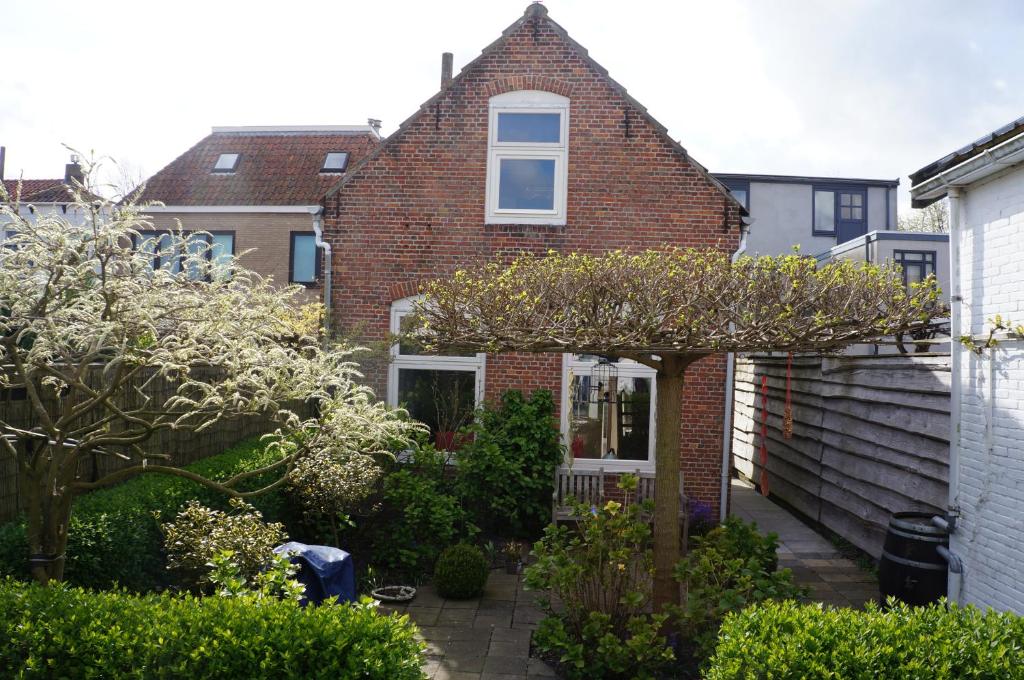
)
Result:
{"points": [[484, 639], [815, 562]]}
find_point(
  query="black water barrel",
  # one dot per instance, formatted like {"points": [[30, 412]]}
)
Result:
{"points": [[911, 568]]}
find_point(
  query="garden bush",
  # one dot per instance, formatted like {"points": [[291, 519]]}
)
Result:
{"points": [[71, 633], [198, 534], [601, 574], [114, 535], [787, 641], [461, 572], [732, 566], [506, 470]]}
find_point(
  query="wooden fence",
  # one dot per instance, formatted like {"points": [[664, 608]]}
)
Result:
{"points": [[870, 437], [183, 446]]}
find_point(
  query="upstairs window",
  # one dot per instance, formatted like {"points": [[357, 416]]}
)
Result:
{"points": [[528, 158], [840, 211], [215, 247], [336, 161], [304, 262], [917, 264], [740, 189], [226, 163]]}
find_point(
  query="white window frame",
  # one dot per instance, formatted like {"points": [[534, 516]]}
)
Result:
{"points": [[475, 363], [527, 101], [572, 364]]}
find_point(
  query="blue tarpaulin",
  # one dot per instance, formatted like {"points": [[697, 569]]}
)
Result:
{"points": [[325, 571]]}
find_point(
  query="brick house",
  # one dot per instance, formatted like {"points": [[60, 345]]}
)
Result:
{"points": [[259, 188], [531, 147]]}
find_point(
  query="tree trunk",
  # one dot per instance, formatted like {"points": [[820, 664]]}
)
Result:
{"points": [[48, 509], [666, 489]]}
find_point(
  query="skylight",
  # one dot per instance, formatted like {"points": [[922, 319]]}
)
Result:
{"points": [[336, 161], [226, 162]]}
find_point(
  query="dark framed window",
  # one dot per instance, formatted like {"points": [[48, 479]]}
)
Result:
{"points": [[217, 246], [226, 163], [304, 264], [740, 189], [917, 265], [839, 211], [823, 207], [335, 161]]}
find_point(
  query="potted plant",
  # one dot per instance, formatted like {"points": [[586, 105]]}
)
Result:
{"points": [[513, 554]]}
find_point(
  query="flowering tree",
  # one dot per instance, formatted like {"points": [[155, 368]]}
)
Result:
{"points": [[95, 312], [666, 309]]}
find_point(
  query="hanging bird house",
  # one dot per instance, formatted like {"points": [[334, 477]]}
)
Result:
{"points": [[601, 377]]}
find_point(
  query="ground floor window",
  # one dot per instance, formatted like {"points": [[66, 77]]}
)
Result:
{"points": [[440, 390], [608, 412]]}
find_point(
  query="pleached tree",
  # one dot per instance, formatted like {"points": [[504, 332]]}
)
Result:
{"points": [[113, 334], [666, 309]]}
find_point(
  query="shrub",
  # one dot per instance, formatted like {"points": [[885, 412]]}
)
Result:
{"points": [[602, 575], [417, 520], [275, 580], [787, 641], [506, 470], [114, 535], [198, 534], [461, 572], [72, 633], [328, 485], [730, 568]]}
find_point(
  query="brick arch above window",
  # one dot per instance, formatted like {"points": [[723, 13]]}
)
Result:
{"points": [[405, 289], [528, 82]]}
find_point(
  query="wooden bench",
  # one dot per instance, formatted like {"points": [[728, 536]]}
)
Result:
{"points": [[587, 487]]}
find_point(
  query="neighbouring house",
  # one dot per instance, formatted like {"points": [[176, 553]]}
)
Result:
{"points": [[259, 189], [531, 148], [38, 196], [815, 213], [984, 182]]}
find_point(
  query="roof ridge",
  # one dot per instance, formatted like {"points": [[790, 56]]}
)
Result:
{"points": [[535, 10]]}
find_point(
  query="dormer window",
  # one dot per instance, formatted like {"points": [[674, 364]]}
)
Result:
{"points": [[226, 163], [336, 161], [528, 158]]}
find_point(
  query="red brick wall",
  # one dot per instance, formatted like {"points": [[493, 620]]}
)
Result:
{"points": [[416, 212]]}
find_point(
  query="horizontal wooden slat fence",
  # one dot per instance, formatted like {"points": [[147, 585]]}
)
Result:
{"points": [[184, 446], [870, 437]]}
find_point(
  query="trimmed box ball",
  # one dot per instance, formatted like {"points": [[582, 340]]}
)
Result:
{"points": [[461, 572]]}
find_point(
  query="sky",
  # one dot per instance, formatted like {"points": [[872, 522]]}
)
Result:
{"points": [[845, 88]]}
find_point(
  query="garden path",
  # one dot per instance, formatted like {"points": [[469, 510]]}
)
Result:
{"points": [[483, 639], [815, 562]]}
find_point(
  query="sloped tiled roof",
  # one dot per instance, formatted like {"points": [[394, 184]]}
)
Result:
{"points": [[275, 167], [39, 190]]}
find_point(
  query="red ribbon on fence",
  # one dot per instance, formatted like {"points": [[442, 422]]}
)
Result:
{"points": [[764, 435]]}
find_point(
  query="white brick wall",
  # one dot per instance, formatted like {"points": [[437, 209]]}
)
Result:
{"points": [[990, 536]]}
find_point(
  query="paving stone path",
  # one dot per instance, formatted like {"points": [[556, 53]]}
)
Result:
{"points": [[484, 639], [815, 562]]}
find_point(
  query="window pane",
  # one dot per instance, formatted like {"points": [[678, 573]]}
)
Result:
{"points": [[336, 161], [844, 213], [226, 162], [543, 128], [610, 422], [844, 199], [223, 247], [527, 184], [824, 210], [409, 347], [195, 245], [443, 400], [857, 198], [303, 258], [858, 213], [741, 196]]}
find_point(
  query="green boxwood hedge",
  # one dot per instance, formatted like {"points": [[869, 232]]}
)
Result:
{"points": [[65, 632], [787, 641], [114, 536]]}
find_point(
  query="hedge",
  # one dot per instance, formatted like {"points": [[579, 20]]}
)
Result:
{"points": [[787, 641], [114, 536], [72, 633]]}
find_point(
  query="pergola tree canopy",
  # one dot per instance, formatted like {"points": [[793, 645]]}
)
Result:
{"points": [[666, 309]]}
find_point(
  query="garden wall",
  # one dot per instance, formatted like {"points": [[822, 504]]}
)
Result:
{"points": [[183, 446], [870, 437]]}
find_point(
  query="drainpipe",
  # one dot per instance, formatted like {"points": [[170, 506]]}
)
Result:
{"points": [[955, 355], [317, 213], [730, 395]]}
